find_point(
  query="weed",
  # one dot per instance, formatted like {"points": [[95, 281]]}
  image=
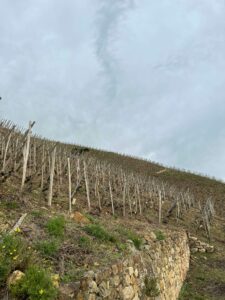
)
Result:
{"points": [[160, 235], [56, 226], [129, 234], [35, 285], [84, 242], [151, 289], [37, 213], [100, 233], [48, 248], [12, 255]]}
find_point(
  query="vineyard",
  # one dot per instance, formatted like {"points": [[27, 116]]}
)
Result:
{"points": [[47, 183], [62, 170]]}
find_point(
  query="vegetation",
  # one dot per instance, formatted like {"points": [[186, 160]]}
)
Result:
{"points": [[99, 232], [151, 289], [131, 235], [48, 248], [56, 226], [37, 284], [13, 254], [160, 235]]}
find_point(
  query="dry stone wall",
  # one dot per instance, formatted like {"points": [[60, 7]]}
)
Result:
{"points": [[156, 272]]}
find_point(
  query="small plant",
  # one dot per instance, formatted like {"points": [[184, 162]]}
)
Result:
{"points": [[151, 289], [84, 242], [37, 284], [100, 233], [37, 213], [13, 254], [129, 234], [56, 226], [160, 235], [48, 248]]}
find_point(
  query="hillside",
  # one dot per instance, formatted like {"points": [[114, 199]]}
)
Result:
{"points": [[118, 198]]}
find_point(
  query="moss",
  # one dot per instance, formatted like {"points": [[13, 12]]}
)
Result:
{"points": [[151, 289]]}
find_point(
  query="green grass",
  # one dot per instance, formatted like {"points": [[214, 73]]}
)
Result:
{"points": [[99, 232], [48, 248], [13, 254], [35, 285], [131, 235], [160, 235], [84, 242], [56, 226]]}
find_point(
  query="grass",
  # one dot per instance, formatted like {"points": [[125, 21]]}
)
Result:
{"points": [[48, 248], [35, 285], [100, 233], [13, 254], [56, 226], [160, 235], [131, 235]]}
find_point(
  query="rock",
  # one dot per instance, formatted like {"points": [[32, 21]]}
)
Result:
{"points": [[15, 277], [202, 250], [93, 287], [79, 218], [55, 280], [116, 281], [194, 250], [128, 293], [127, 280], [66, 292], [153, 236], [136, 272], [104, 290], [114, 269], [130, 270]]}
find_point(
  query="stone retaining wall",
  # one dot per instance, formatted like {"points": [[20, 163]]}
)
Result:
{"points": [[156, 272]]}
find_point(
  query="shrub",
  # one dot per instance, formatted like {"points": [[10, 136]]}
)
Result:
{"points": [[13, 255], [160, 235], [129, 234], [48, 248], [35, 285], [56, 226], [151, 289], [84, 242], [100, 233]]}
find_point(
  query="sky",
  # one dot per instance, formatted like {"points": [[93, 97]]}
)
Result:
{"points": [[141, 77]]}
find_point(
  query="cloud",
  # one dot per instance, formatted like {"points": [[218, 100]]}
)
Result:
{"points": [[144, 77]]}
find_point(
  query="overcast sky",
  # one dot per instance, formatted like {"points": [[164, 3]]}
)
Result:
{"points": [[143, 77]]}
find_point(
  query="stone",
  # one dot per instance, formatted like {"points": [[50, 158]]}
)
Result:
{"points": [[116, 281], [153, 236], [93, 288], [136, 297], [79, 218], [15, 277], [136, 272], [55, 280], [202, 250], [128, 293], [114, 269], [66, 292], [194, 250], [104, 290], [127, 280], [91, 297], [130, 270]]}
